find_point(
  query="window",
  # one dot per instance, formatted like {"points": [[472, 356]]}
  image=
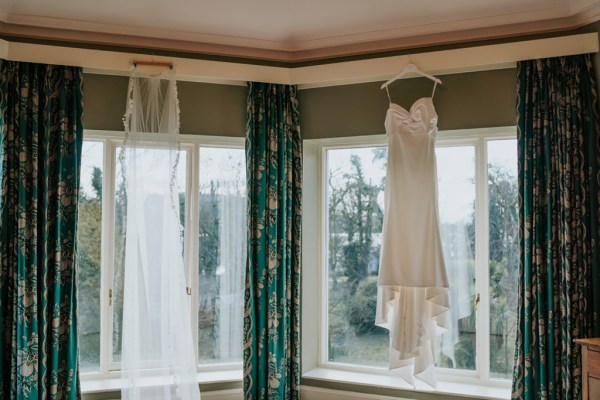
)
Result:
{"points": [[89, 236], [456, 205], [503, 254], [149, 155], [211, 185], [222, 260], [477, 199], [355, 181]]}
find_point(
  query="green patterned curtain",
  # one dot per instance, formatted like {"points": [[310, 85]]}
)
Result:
{"points": [[41, 139], [559, 284], [272, 295]]}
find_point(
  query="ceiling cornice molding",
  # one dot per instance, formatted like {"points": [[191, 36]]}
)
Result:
{"points": [[410, 33], [197, 45], [439, 62], [439, 39], [587, 13], [111, 39], [144, 32]]}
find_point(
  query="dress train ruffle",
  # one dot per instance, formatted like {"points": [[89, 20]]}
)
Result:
{"points": [[414, 316]]}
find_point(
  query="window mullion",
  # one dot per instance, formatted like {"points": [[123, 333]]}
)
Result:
{"points": [[482, 259], [107, 255], [324, 264], [112, 149], [192, 232]]}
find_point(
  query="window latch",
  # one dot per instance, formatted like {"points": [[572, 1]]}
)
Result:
{"points": [[477, 299], [110, 297], [188, 290]]}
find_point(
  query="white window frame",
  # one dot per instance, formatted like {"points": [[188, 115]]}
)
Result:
{"points": [[109, 369], [315, 357]]}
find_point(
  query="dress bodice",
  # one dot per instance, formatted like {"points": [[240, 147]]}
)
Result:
{"points": [[420, 118]]}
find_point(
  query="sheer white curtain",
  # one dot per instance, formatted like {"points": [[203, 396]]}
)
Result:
{"points": [[231, 274], [461, 275], [158, 357]]}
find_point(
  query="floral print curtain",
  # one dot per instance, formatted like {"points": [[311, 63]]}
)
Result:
{"points": [[272, 292], [41, 139], [559, 288]]}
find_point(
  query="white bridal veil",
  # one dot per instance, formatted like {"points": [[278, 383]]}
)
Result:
{"points": [[158, 357]]}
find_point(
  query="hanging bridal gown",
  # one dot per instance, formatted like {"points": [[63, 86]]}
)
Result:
{"points": [[412, 298]]}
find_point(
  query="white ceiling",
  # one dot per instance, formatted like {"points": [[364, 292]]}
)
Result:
{"points": [[293, 26]]}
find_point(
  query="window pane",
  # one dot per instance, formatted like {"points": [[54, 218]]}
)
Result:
{"points": [[120, 228], [222, 253], [456, 203], [355, 182], [89, 233], [504, 254]]}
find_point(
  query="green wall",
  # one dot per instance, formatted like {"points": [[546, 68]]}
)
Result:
{"points": [[205, 108], [472, 100], [104, 102]]}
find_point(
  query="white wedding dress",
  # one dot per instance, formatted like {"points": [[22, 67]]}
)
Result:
{"points": [[412, 299]]}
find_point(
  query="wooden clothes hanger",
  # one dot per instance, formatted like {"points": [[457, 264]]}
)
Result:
{"points": [[169, 65]]}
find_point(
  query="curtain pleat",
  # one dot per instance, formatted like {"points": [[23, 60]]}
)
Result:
{"points": [[559, 286], [41, 140], [272, 290]]}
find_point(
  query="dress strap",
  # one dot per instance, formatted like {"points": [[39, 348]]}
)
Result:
{"points": [[388, 93], [433, 93]]}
